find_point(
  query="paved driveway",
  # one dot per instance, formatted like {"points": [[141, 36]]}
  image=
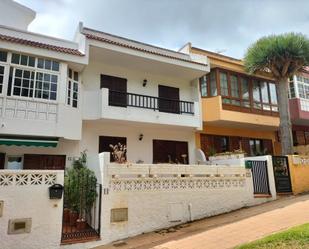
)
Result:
{"points": [[228, 230]]}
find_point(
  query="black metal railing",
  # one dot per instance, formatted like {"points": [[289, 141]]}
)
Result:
{"points": [[124, 99], [260, 177]]}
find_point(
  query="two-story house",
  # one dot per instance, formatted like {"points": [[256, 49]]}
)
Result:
{"points": [[60, 97], [240, 111]]}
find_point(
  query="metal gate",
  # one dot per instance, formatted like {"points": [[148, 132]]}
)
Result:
{"points": [[260, 177], [282, 174]]}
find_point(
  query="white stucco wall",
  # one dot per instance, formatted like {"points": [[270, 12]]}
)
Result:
{"points": [[136, 149], [28, 197]]}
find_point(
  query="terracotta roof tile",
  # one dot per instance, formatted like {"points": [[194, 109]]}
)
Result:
{"points": [[40, 45], [143, 47]]}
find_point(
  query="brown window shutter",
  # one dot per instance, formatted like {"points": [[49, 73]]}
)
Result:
{"points": [[234, 143], [268, 146], [44, 162], [2, 160], [245, 145]]}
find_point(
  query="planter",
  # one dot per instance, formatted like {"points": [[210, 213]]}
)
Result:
{"points": [[81, 224], [66, 215], [226, 157], [73, 218]]}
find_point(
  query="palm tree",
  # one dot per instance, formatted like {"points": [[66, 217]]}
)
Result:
{"points": [[283, 56]]}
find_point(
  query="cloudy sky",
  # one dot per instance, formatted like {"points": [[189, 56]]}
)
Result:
{"points": [[228, 26]]}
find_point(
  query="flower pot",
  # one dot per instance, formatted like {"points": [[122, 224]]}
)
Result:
{"points": [[73, 218], [66, 215], [81, 224]]}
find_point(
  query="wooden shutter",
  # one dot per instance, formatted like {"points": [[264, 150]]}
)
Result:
{"points": [[245, 145], [164, 150], [44, 162], [2, 160], [117, 89], [268, 146], [207, 144], [234, 143], [169, 99]]}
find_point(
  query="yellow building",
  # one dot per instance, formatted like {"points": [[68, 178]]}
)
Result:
{"points": [[240, 111]]}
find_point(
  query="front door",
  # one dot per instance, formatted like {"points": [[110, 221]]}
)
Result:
{"points": [[282, 174], [168, 99]]}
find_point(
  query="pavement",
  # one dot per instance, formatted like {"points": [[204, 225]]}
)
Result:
{"points": [[227, 230]]}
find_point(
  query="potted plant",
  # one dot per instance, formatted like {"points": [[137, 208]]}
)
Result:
{"points": [[80, 183]]}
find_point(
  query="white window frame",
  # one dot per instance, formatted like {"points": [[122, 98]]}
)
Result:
{"points": [[72, 89]]}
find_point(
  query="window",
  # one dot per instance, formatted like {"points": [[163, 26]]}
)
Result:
{"points": [[15, 162], [48, 64], [204, 86], [292, 90], [213, 84], [245, 94], [1, 77], [24, 60], [3, 56], [72, 88], [255, 147], [256, 95], [224, 85], [32, 77], [111, 144]]}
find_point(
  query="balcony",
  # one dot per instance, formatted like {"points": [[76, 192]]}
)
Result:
{"points": [[299, 109], [135, 107], [215, 113]]}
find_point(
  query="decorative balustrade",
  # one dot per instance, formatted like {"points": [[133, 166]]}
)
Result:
{"points": [[28, 177], [167, 177]]}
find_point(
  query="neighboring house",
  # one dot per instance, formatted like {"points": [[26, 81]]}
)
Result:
{"points": [[60, 97], [240, 111], [299, 108]]}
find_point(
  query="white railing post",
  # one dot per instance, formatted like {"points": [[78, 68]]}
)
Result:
{"points": [[104, 159]]}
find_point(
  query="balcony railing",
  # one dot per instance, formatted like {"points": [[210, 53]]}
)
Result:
{"points": [[124, 99]]}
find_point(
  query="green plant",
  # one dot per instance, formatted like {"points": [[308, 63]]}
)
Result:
{"points": [[80, 187], [283, 56], [211, 151]]}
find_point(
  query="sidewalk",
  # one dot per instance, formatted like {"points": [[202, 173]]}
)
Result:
{"points": [[228, 230]]}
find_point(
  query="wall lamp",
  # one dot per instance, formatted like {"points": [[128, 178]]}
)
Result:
{"points": [[141, 136], [144, 82]]}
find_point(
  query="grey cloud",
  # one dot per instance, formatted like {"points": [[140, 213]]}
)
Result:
{"points": [[210, 24]]}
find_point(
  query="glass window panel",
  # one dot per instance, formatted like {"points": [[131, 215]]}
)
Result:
{"points": [[25, 92], [46, 77], [204, 89], [274, 108], [234, 86], [2, 70], [74, 103], [291, 91], [16, 91], [31, 62], [26, 83], [26, 74], [3, 56], [273, 93], [76, 76], [223, 84], [15, 163], [24, 60], [235, 102], [244, 88], [45, 94], [53, 95], [256, 91], [40, 63], [54, 78], [266, 107], [15, 58], [213, 84], [257, 105], [18, 73], [301, 91], [53, 87], [55, 66], [264, 92], [70, 73], [226, 101], [17, 82], [47, 64]]}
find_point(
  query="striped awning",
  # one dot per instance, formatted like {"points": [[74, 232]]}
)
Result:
{"points": [[28, 141]]}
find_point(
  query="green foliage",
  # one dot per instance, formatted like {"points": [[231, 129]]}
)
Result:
{"points": [[282, 55], [80, 186], [296, 238]]}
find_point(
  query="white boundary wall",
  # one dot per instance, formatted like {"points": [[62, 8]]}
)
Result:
{"points": [[25, 195], [157, 196]]}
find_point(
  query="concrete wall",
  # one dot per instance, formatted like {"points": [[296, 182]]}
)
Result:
{"points": [[299, 173], [25, 195]]}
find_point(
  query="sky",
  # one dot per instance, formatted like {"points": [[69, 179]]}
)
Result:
{"points": [[225, 26]]}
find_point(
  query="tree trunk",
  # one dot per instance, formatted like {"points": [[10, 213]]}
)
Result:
{"points": [[285, 121]]}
